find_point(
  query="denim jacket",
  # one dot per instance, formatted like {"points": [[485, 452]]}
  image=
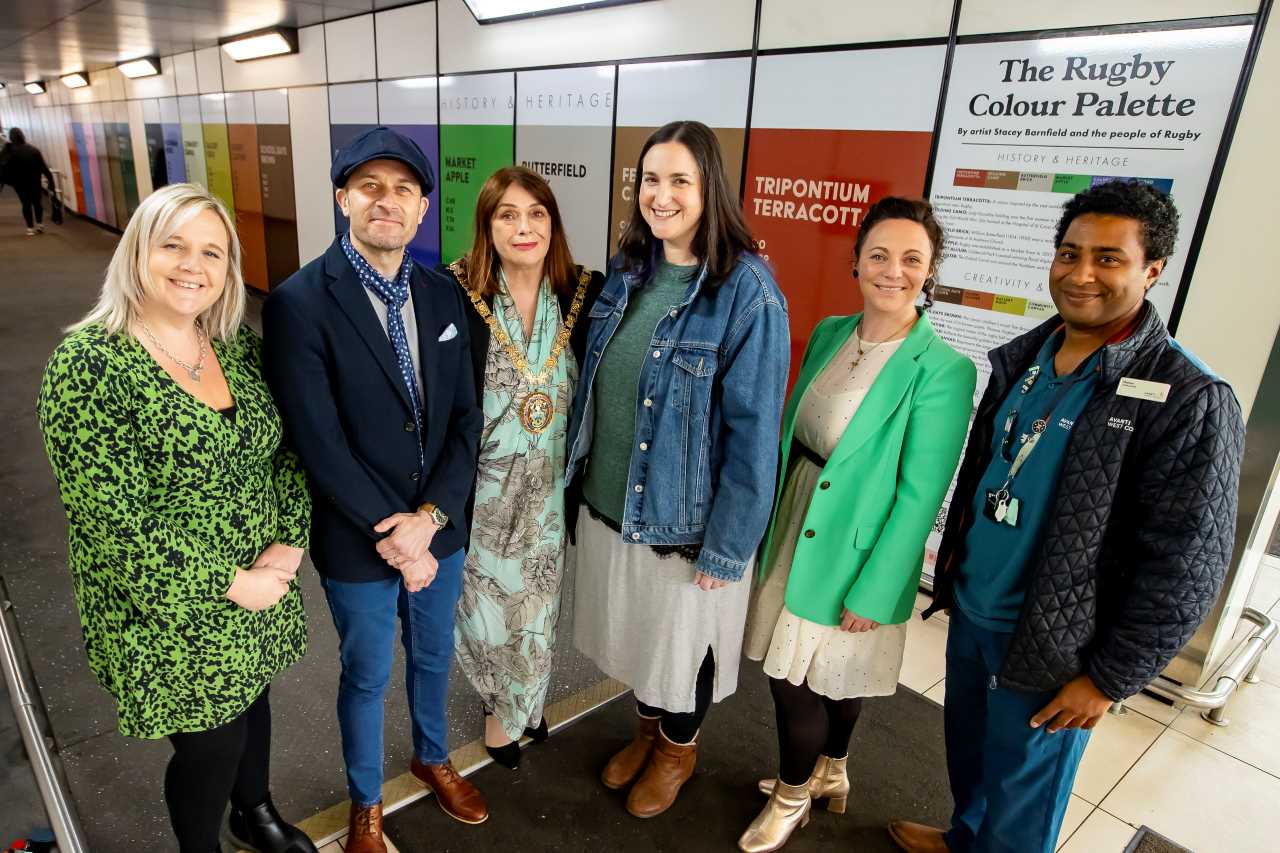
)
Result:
{"points": [[704, 464]]}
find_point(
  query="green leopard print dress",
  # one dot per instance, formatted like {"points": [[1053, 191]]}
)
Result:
{"points": [[165, 498]]}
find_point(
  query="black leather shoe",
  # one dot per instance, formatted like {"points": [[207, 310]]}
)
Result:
{"points": [[507, 755], [539, 734], [261, 828]]}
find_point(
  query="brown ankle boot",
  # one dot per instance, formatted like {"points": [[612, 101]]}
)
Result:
{"points": [[670, 766], [627, 763], [364, 830], [917, 837]]}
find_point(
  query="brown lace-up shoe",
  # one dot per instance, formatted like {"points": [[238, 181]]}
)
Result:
{"points": [[627, 763], [458, 798], [364, 830], [917, 838], [670, 767]]}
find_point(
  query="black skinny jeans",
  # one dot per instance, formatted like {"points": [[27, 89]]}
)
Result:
{"points": [[683, 727], [32, 204], [810, 725], [207, 768]]}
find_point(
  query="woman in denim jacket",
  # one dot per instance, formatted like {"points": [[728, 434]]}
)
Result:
{"points": [[674, 435]]}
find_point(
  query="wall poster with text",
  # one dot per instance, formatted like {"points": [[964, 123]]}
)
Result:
{"points": [[477, 137], [651, 94], [565, 133], [246, 185], [818, 159], [409, 106], [213, 117], [175, 162], [154, 130], [193, 140], [275, 173]]}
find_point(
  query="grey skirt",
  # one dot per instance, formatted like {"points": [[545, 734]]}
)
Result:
{"points": [[642, 620]]}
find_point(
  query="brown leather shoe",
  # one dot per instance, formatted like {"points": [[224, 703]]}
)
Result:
{"points": [[364, 830], [458, 798], [917, 838], [670, 766], [627, 763]]}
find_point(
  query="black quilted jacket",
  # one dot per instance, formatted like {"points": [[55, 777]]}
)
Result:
{"points": [[1137, 546]]}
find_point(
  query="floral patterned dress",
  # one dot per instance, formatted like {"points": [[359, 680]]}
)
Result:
{"points": [[505, 628]]}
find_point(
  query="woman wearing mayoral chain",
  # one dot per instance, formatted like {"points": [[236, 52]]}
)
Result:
{"points": [[528, 333]]}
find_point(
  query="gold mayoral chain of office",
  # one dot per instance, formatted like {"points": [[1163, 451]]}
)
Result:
{"points": [[537, 407]]}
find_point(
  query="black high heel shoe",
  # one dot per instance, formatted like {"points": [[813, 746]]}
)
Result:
{"points": [[508, 755], [539, 734], [261, 828]]}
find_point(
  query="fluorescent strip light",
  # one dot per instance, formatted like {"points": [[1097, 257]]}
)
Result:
{"points": [[75, 81], [146, 67], [35, 87], [257, 45], [496, 11]]}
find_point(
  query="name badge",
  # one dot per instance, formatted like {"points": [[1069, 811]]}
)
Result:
{"points": [[1142, 389]]}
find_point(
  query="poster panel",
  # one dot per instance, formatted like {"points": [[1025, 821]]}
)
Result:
{"points": [[124, 148], [712, 91], [102, 166], [111, 132], [814, 168], [564, 132], [275, 172], [246, 186], [154, 130], [193, 140], [175, 163], [75, 142], [1030, 123], [477, 114], [353, 109], [213, 117], [409, 106], [81, 167]]}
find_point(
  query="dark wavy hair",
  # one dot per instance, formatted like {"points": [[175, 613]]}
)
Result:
{"points": [[1132, 199], [915, 210], [722, 233]]}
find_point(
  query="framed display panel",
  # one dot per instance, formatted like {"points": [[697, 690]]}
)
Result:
{"points": [[477, 137]]}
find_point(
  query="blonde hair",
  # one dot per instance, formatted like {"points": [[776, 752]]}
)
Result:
{"points": [[125, 287]]}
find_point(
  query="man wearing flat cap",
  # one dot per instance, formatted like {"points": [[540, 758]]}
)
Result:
{"points": [[368, 357]]}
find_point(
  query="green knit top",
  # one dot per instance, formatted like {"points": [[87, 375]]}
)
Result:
{"points": [[165, 498]]}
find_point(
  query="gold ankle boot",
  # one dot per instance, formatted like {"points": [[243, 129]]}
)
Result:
{"points": [[829, 781], [786, 811]]}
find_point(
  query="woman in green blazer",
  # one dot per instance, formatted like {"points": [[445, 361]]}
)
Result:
{"points": [[870, 440]]}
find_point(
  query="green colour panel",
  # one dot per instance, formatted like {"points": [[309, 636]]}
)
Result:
{"points": [[469, 154], [1071, 183]]}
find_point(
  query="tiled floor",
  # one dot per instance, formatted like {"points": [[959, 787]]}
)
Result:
{"points": [[1211, 789]]}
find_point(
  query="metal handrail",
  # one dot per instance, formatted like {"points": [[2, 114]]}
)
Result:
{"points": [[1240, 667], [26, 709]]}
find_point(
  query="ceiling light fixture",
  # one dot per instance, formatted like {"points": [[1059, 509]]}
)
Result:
{"points": [[274, 41], [35, 87], [76, 80], [497, 11], [148, 66]]}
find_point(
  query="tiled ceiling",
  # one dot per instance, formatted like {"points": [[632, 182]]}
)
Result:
{"points": [[42, 39]]}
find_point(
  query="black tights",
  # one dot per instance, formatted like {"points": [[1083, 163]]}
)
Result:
{"points": [[810, 725], [231, 761], [682, 728]]}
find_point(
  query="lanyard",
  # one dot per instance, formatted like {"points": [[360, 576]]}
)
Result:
{"points": [[1038, 426]]}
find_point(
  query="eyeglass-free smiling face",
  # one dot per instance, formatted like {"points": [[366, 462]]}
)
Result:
{"points": [[1100, 273], [521, 229], [895, 261], [188, 268], [384, 203], [670, 197]]}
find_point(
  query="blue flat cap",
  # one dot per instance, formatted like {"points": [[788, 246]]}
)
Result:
{"points": [[382, 143]]}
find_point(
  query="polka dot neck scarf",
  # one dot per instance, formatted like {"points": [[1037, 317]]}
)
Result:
{"points": [[394, 294]]}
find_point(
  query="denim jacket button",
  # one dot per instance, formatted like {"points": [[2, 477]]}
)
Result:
{"points": [[644, 445], [647, 402], [635, 536], [657, 354], [809, 534], [639, 488], [675, 313]]}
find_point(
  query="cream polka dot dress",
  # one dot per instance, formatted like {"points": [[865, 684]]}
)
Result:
{"points": [[834, 663]]}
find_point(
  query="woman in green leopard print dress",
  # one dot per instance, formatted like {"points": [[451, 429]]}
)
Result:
{"points": [[186, 515]]}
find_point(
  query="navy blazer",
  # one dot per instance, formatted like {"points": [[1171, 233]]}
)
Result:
{"points": [[347, 414]]}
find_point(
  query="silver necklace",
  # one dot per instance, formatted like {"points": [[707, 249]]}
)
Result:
{"points": [[193, 370]]}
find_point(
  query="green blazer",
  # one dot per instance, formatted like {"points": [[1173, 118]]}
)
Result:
{"points": [[879, 494]]}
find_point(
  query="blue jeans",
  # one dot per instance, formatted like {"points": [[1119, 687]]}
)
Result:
{"points": [[1010, 782], [365, 616]]}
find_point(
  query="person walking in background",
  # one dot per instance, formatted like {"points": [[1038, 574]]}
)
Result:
{"points": [[870, 439], [368, 355], [528, 318], [23, 167], [674, 428], [1090, 529], [186, 514]]}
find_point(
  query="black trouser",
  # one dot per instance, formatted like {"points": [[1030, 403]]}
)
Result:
{"points": [[683, 727], [32, 199], [810, 725], [210, 767]]}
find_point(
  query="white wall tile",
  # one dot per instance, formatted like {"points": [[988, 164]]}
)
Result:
{"points": [[349, 49], [1000, 16], [406, 39], [304, 68], [786, 23], [353, 103], [159, 86], [184, 71], [412, 100], [209, 70], [309, 135]]}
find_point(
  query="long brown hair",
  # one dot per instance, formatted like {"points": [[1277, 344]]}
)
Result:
{"points": [[722, 233], [483, 261]]}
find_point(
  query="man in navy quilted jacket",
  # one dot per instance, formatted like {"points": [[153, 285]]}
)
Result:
{"points": [[1090, 529]]}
